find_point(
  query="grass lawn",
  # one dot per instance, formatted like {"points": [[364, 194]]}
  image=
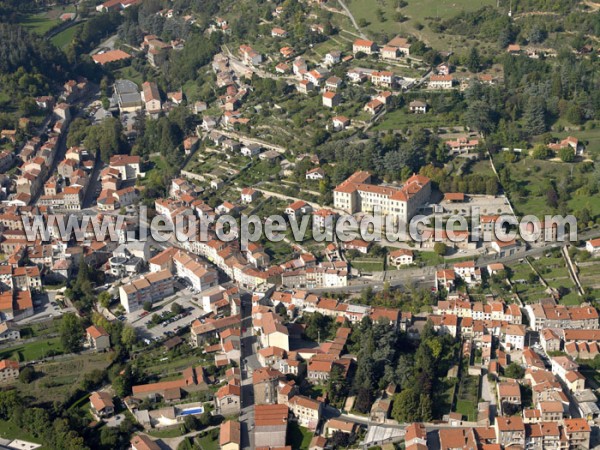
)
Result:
{"points": [[444, 396], [468, 397], [210, 441], [428, 258], [467, 408], [401, 117], [298, 437], [535, 175], [65, 37], [368, 265], [39, 23], [9, 430], [416, 12], [32, 350], [171, 433], [130, 73]]}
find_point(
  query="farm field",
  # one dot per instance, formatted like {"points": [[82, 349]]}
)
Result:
{"points": [[589, 273], [58, 379]]}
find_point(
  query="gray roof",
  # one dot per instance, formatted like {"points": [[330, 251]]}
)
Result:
{"points": [[126, 87]]}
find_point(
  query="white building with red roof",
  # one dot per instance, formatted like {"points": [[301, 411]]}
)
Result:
{"points": [[359, 194]]}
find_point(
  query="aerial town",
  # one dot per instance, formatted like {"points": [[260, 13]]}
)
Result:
{"points": [[476, 122]]}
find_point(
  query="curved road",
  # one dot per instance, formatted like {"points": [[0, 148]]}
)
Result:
{"points": [[349, 14]]}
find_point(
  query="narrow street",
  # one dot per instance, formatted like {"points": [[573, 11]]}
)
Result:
{"points": [[249, 363]]}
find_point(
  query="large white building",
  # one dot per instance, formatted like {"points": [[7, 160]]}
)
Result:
{"points": [[201, 276], [152, 287], [127, 165], [357, 194]]}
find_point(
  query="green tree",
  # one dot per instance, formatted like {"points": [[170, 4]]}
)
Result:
{"points": [[191, 423], [541, 151], [176, 308], [514, 371], [104, 299], [147, 305], [535, 116], [27, 375], [71, 333], [107, 138], [473, 62], [109, 437], [129, 336], [566, 154], [426, 408], [440, 248], [407, 406], [479, 116]]}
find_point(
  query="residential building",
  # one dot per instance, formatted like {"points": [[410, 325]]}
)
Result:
{"points": [[102, 404], [128, 166], [97, 338], [364, 46], [331, 99], [151, 97], [270, 426], [228, 399], [9, 371], [143, 442], [306, 410], [230, 435], [510, 431], [9, 332], [265, 382], [441, 81], [149, 288], [417, 107]]}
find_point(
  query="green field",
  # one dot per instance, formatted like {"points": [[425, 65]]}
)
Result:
{"points": [[589, 273], [468, 397], [9, 430], [32, 350], [210, 441], [56, 380], [402, 118], [129, 73], [368, 264], [39, 23], [298, 437], [416, 11], [535, 175], [65, 37]]}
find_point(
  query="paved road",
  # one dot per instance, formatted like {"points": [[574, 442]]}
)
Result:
{"points": [[94, 184], [248, 364], [349, 14]]}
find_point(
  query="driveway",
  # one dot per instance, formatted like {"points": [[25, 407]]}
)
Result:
{"points": [[488, 395]]}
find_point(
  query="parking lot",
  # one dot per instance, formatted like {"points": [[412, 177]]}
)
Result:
{"points": [[191, 310], [46, 307]]}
